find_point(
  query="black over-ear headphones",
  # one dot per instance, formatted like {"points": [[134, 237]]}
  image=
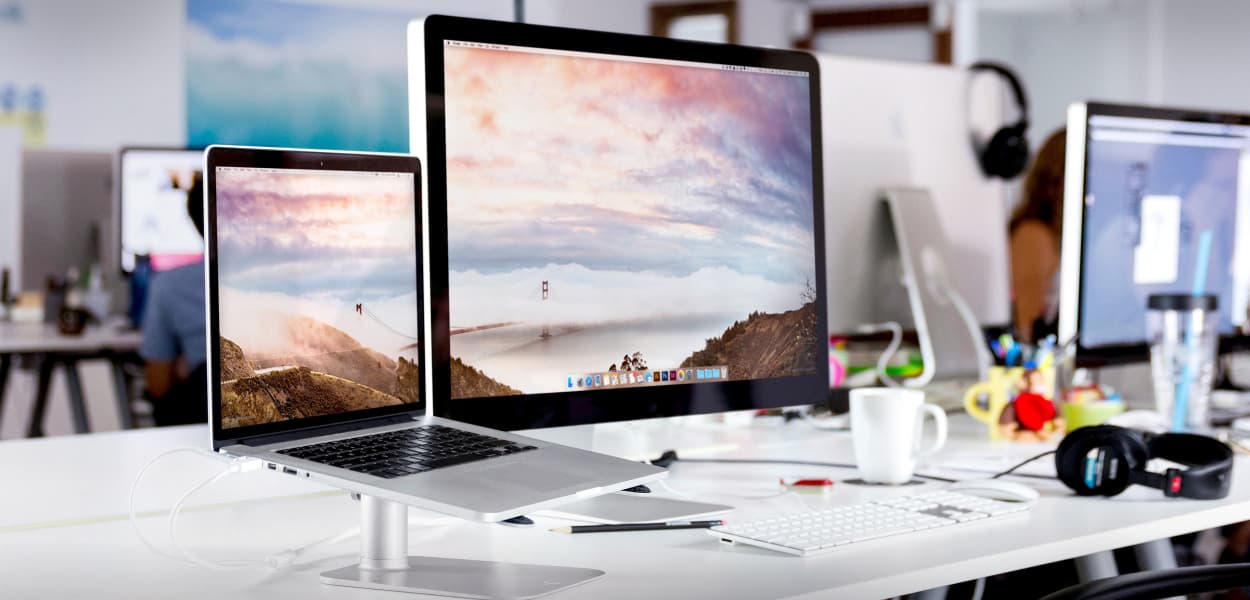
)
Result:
{"points": [[1007, 152], [1104, 460]]}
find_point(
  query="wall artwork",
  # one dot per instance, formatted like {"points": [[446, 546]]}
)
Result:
{"points": [[296, 75]]}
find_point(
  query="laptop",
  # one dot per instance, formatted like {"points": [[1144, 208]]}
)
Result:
{"points": [[316, 329]]}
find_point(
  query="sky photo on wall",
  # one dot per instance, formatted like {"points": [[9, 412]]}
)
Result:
{"points": [[304, 75]]}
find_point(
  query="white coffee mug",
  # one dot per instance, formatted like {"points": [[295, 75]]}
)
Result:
{"points": [[886, 426]]}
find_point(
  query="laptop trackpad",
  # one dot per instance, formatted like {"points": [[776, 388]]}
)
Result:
{"points": [[533, 477]]}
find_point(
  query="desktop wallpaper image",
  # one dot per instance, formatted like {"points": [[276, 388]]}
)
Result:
{"points": [[317, 293], [667, 208]]}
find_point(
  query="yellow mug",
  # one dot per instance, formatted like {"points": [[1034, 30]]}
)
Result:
{"points": [[998, 389]]}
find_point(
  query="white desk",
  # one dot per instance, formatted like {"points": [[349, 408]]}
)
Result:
{"points": [[63, 532], [53, 349]]}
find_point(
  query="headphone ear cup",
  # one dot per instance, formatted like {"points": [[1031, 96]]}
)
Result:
{"points": [[1096, 461], [1007, 153]]}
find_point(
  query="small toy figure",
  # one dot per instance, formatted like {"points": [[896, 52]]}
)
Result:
{"points": [[1031, 415]]}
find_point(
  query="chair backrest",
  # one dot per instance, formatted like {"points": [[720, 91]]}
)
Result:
{"points": [[1160, 584]]}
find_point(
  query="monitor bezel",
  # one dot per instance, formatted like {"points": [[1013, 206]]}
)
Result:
{"points": [[1075, 187], [319, 160], [119, 227], [567, 408]]}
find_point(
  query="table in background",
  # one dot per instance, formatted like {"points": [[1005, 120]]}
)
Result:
{"points": [[51, 349], [70, 501]]}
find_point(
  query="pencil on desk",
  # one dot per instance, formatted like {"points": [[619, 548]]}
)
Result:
{"points": [[637, 527]]}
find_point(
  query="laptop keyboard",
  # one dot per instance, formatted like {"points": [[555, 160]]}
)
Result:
{"points": [[406, 451]]}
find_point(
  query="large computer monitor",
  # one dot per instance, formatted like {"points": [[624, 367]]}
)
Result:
{"points": [[1141, 186], [908, 124], [152, 188], [621, 227]]}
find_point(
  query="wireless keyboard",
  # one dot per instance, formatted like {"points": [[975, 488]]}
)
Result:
{"points": [[821, 531]]}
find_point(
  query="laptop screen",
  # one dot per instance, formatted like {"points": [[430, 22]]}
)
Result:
{"points": [[317, 293]]}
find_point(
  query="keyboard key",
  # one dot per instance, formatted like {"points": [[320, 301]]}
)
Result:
{"points": [[821, 531], [405, 451]]}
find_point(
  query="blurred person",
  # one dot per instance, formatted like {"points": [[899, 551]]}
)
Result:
{"points": [[173, 345], [1034, 235]]}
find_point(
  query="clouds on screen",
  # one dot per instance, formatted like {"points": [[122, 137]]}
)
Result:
{"points": [[256, 320], [578, 295], [679, 168], [314, 234]]}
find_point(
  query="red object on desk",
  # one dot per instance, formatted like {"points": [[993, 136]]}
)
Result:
{"points": [[1034, 411]]}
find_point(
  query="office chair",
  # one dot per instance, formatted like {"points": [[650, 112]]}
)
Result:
{"points": [[1164, 583]]}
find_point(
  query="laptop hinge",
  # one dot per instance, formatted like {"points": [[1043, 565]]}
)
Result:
{"points": [[274, 438]]}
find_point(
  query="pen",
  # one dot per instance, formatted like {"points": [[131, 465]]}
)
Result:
{"points": [[638, 526]]}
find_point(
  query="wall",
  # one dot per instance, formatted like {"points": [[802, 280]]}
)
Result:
{"points": [[107, 68], [113, 72], [1064, 58], [10, 204], [1170, 53], [1201, 57], [760, 22]]}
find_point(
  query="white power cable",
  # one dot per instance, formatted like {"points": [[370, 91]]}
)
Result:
{"points": [[896, 340], [984, 360], [274, 561], [134, 486]]}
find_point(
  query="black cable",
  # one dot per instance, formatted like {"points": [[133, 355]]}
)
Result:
{"points": [[1012, 470], [668, 457]]}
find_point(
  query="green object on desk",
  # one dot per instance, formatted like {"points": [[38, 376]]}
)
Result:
{"points": [[1093, 413], [912, 368]]}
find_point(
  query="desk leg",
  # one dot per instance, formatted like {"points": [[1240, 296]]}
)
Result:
{"points": [[937, 593], [77, 405], [44, 379], [1099, 565], [122, 391], [6, 362], [1155, 555]]}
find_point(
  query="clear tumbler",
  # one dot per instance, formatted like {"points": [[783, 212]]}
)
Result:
{"points": [[1183, 338]]}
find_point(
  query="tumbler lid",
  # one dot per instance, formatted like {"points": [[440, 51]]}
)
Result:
{"points": [[1182, 302]]}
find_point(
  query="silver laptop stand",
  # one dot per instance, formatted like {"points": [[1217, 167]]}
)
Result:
{"points": [[386, 565]]}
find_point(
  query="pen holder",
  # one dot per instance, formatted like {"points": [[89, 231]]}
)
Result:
{"points": [[1015, 403]]}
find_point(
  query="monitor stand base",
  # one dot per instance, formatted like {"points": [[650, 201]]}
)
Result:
{"points": [[386, 565]]}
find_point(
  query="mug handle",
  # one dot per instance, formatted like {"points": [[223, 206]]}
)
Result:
{"points": [[939, 419], [973, 408]]}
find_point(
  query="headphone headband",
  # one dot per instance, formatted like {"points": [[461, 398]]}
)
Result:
{"points": [[1017, 88], [1005, 153], [1208, 463]]}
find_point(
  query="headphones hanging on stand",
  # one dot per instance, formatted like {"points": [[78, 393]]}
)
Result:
{"points": [[1006, 154], [1105, 459]]}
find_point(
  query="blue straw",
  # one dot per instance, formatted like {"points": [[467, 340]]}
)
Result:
{"points": [[1180, 407]]}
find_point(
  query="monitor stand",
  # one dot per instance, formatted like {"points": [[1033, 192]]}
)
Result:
{"points": [[385, 565]]}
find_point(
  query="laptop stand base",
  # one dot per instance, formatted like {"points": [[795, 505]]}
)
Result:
{"points": [[386, 565]]}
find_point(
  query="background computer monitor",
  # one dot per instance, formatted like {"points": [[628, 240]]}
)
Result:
{"points": [[892, 124], [1141, 185], [607, 209], [152, 214], [66, 196]]}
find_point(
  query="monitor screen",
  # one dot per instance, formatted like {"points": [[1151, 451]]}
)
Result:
{"points": [[154, 220], [1154, 182], [316, 293], [629, 223]]}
